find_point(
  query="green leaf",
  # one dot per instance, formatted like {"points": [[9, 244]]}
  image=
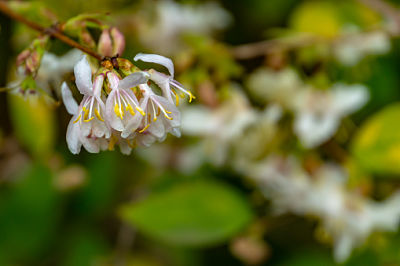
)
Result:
{"points": [[197, 213], [34, 123], [376, 146]]}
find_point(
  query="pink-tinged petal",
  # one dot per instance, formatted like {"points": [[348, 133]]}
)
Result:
{"points": [[114, 121], [118, 40], [175, 114], [98, 85], [83, 76], [133, 80], [146, 139], [73, 137], [113, 79], [176, 132], [91, 145], [136, 120], [158, 59], [157, 129], [68, 99], [105, 43], [124, 147]]}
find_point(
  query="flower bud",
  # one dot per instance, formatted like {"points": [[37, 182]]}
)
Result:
{"points": [[29, 59], [118, 41], [105, 46], [86, 38]]}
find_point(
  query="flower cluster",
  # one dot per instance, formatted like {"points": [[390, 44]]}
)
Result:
{"points": [[124, 111]]}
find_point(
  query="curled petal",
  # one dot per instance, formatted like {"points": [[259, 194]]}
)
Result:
{"points": [[91, 145], [83, 76], [157, 129], [174, 112], [133, 80], [158, 59], [73, 137], [68, 99]]}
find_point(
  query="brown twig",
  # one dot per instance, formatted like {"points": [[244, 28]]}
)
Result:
{"points": [[49, 31]]}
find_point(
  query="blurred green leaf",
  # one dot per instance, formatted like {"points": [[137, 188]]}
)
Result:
{"points": [[194, 213], [33, 121], [29, 214], [376, 146]]}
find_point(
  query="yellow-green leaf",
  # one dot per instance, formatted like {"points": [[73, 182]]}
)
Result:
{"points": [[376, 146]]}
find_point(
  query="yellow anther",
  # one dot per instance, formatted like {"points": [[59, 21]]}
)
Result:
{"points": [[176, 98], [88, 120], [111, 144], [86, 115], [117, 111], [130, 109], [155, 119], [168, 117], [98, 115], [140, 111], [146, 127], [158, 111], [191, 97], [131, 145], [77, 119], [168, 112]]}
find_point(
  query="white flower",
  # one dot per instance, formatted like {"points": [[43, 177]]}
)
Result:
{"points": [[348, 217], [75, 137], [164, 32], [220, 127], [87, 125], [171, 88], [121, 103], [162, 118], [318, 113], [352, 49]]}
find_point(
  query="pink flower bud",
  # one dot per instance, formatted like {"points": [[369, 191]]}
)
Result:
{"points": [[86, 38], [118, 41], [105, 44]]}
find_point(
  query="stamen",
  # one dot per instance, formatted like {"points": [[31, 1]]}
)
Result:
{"points": [[88, 120], [176, 98], [146, 127], [168, 117], [140, 110], [96, 111], [111, 144], [117, 111], [86, 111], [77, 119], [130, 109]]}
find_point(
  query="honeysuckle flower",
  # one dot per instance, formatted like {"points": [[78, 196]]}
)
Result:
{"points": [[318, 113], [162, 117], [75, 136], [90, 115], [122, 105], [171, 88]]}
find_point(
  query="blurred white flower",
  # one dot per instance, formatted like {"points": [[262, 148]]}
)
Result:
{"points": [[172, 20], [346, 216], [275, 86], [352, 49], [53, 68], [219, 127], [318, 113]]}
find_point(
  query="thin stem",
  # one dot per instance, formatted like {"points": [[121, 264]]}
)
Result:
{"points": [[49, 31]]}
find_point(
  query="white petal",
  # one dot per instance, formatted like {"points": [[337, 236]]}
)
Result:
{"points": [[73, 136], [175, 113], [157, 128], [176, 132], [349, 98], [133, 80], [113, 79], [83, 76], [91, 145], [114, 121], [68, 99], [124, 147], [158, 59], [314, 129]]}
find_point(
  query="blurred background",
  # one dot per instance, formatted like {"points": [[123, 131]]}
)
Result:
{"points": [[290, 154]]}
